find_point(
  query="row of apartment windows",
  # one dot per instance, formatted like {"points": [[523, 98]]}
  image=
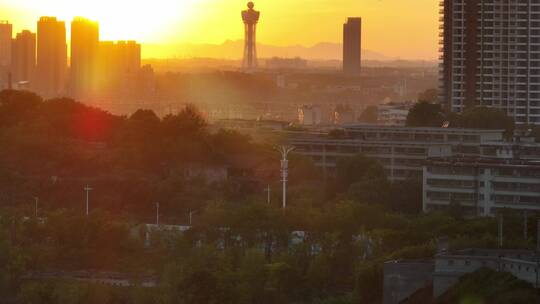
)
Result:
{"points": [[515, 199], [497, 186], [469, 171]]}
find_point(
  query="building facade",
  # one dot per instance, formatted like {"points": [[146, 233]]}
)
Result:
{"points": [[481, 186], [309, 115], [6, 30], [118, 68], [51, 57], [23, 65], [352, 45], [451, 265], [83, 59], [402, 151], [490, 56]]}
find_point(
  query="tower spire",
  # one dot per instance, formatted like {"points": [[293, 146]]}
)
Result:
{"points": [[250, 18]]}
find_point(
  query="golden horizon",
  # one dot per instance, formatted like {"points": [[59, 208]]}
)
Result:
{"points": [[390, 27]]}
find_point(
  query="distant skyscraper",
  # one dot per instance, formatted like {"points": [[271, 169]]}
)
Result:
{"points": [[5, 43], [23, 62], [118, 67], [84, 52], [51, 57], [490, 56], [250, 18], [352, 45]]}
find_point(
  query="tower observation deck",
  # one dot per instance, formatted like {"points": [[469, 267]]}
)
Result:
{"points": [[250, 18]]}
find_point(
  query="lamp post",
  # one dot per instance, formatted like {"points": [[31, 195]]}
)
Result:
{"points": [[36, 199], [268, 194], [157, 214], [284, 150], [87, 189]]}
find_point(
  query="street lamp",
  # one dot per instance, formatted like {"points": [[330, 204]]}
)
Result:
{"points": [[36, 199], [284, 150], [87, 189], [268, 194], [157, 214]]}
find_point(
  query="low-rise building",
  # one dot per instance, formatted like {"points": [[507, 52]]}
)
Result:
{"points": [[309, 115], [450, 266], [393, 114], [402, 151], [481, 185]]}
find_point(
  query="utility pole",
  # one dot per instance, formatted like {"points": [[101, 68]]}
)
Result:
{"points": [[500, 230], [284, 150], [268, 194], [538, 237], [36, 199], [525, 224], [157, 214], [87, 189]]}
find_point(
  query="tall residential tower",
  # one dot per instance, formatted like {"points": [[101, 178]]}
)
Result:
{"points": [[5, 43], [23, 63], [491, 56], [352, 45], [51, 57], [84, 53]]}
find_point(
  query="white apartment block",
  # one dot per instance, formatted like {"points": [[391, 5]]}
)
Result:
{"points": [[402, 151], [481, 186]]}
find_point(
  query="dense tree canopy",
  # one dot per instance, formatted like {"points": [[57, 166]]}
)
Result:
{"points": [[425, 114]]}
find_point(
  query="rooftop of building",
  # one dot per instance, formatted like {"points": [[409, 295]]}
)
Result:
{"points": [[484, 161], [375, 127], [482, 252]]}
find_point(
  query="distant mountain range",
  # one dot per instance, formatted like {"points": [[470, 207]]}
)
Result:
{"points": [[233, 49]]}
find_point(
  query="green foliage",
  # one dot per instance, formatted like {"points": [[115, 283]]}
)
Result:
{"points": [[369, 115], [358, 169], [489, 286], [429, 95], [69, 292], [486, 118], [425, 114]]}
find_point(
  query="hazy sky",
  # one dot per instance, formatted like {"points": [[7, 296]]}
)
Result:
{"points": [[397, 28]]}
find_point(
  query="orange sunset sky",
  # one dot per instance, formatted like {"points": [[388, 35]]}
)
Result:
{"points": [[397, 28]]}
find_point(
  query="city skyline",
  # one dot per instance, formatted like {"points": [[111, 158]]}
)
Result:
{"points": [[385, 23]]}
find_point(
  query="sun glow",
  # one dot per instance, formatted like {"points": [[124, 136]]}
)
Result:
{"points": [[146, 21]]}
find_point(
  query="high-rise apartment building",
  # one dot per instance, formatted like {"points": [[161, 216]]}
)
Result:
{"points": [[491, 56], [83, 59], [23, 63], [119, 66], [352, 45], [6, 30], [51, 57]]}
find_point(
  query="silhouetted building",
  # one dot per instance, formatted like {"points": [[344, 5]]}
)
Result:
{"points": [[5, 43], [119, 65], [23, 61], [51, 57], [490, 51], [84, 53], [250, 18], [352, 45]]}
